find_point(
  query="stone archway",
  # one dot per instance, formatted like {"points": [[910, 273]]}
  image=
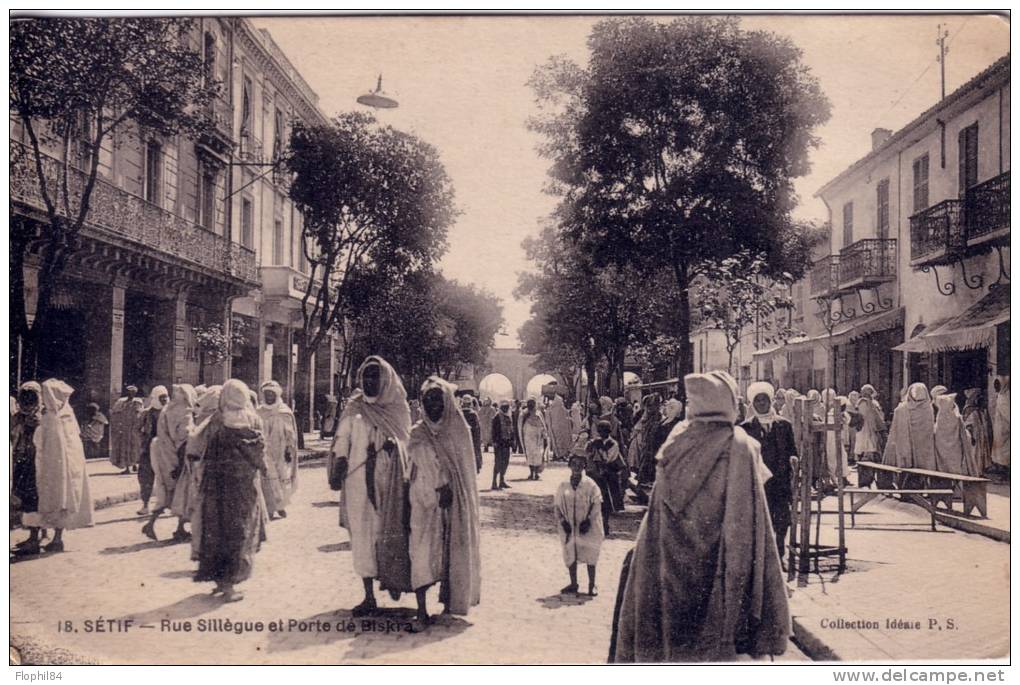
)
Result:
{"points": [[497, 387], [535, 383]]}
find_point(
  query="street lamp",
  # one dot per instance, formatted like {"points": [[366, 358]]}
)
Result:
{"points": [[378, 98]]}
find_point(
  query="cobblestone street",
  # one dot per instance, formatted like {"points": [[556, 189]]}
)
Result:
{"points": [[304, 574]]}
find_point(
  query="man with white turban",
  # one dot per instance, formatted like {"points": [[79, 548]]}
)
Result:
{"points": [[775, 435], [369, 455], [280, 432]]}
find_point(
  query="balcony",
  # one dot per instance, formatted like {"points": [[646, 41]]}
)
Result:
{"points": [[250, 149], [117, 216], [936, 234], [867, 264], [286, 285], [986, 212], [953, 229], [824, 277], [221, 137]]}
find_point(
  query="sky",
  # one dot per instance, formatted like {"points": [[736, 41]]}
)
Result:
{"points": [[462, 86]]}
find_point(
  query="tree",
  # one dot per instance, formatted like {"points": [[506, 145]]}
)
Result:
{"points": [[423, 324], [737, 293], [74, 83], [596, 312], [372, 199], [676, 146]]}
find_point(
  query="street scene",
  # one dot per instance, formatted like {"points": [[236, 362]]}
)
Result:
{"points": [[522, 339]]}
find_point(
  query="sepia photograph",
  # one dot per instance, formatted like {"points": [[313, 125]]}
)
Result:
{"points": [[517, 338]]}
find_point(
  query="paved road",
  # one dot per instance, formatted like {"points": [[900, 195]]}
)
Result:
{"points": [[304, 580]]}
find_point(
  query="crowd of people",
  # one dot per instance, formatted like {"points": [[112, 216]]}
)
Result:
{"points": [[224, 461]]}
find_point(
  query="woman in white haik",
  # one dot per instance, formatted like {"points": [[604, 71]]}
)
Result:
{"points": [[61, 477]]}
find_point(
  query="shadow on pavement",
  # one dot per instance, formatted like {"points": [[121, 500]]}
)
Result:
{"points": [[518, 511], [336, 547], [189, 607], [139, 546], [386, 632], [326, 504], [176, 575], [559, 601]]}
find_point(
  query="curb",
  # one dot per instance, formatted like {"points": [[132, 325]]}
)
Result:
{"points": [[809, 643], [969, 526]]}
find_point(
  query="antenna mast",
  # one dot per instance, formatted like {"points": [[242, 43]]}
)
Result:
{"points": [[943, 34]]}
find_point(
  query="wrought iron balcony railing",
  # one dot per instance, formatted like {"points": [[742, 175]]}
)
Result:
{"points": [[250, 148], [986, 209], [114, 212], [867, 263], [937, 234], [223, 118], [824, 277]]}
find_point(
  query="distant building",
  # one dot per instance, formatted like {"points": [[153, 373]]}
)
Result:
{"points": [[184, 235], [916, 274]]}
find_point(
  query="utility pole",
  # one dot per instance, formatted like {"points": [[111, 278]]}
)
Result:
{"points": [[943, 34]]}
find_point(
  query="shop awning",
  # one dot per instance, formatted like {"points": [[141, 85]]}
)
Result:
{"points": [[858, 328], [974, 328], [762, 355], [848, 332]]}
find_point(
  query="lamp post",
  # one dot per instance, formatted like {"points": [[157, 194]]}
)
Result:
{"points": [[378, 98]]}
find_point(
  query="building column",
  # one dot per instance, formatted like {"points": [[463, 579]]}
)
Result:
{"points": [[169, 340], [226, 370], [117, 343]]}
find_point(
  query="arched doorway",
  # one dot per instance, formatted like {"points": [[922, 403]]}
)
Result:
{"points": [[497, 387], [534, 386]]}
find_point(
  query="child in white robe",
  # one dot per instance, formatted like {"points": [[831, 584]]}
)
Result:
{"points": [[578, 504]]}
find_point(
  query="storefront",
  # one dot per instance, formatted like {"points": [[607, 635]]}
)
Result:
{"points": [[965, 351]]}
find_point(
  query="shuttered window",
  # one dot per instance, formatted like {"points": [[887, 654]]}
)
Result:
{"points": [[848, 223], [882, 202], [920, 183], [968, 158], [247, 223]]}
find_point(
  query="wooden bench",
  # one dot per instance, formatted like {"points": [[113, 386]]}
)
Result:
{"points": [[887, 477], [918, 496], [974, 490]]}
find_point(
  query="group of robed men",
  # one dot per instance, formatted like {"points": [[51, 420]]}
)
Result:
{"points": [[408, 496]]}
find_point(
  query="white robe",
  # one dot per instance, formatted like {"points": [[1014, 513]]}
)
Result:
{"points": [[280, 432], [362, 520], [426, 540], [574, 506], [533, 434], [60, 473]]}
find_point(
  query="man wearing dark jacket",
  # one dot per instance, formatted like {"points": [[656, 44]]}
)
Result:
{"points": [[503, 438]]}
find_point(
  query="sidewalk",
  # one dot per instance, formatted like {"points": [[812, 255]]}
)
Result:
{"points": [[908, 593], [109, 486]]}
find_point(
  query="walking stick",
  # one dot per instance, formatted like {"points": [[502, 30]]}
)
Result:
{"points": [[794, 514]]}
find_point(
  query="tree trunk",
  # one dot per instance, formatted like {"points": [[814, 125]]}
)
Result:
{"points": [[685, 364], [589, 369], [302, 387]]}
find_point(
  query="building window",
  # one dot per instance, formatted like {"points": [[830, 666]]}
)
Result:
{"points": [[848, 223], [247, 223], [882, 220], [209, 58], [968, 158], [207, 199], [153, 173], [921, 183], [278, 127], [278, 241], [246, 108]]}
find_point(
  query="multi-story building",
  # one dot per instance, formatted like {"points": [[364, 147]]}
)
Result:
{"points": [[182, 235], [914, 286]]}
